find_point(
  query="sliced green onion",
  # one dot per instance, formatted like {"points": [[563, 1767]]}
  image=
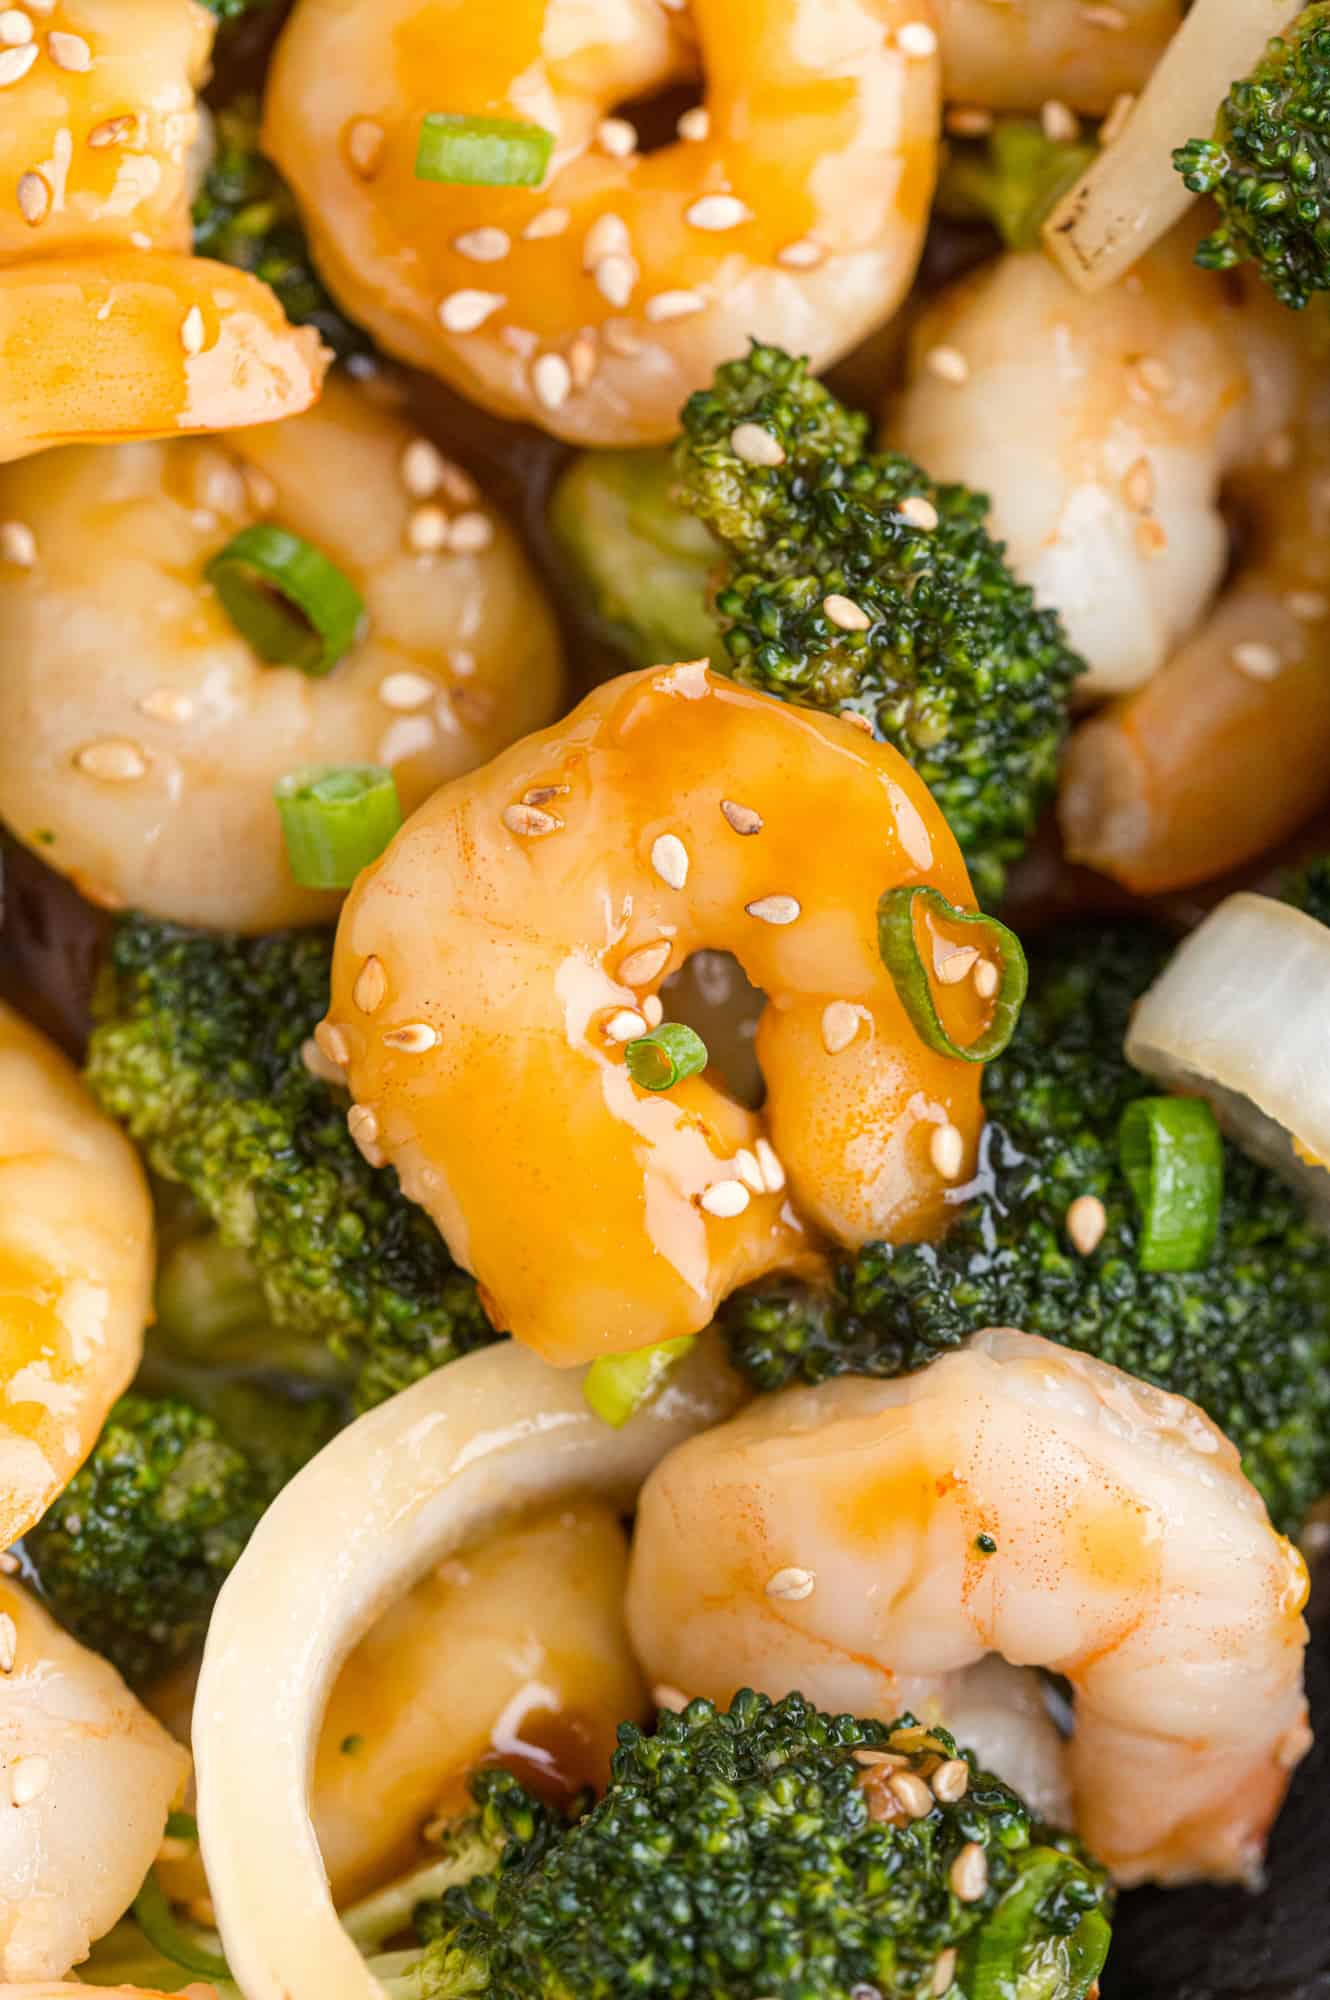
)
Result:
{"points": [[620, 1383], [184, 1943], [664, 1057], [1173, 1159], [294, 606], [482, 152], [1012, 1951], [337, 818], [900, 954]]}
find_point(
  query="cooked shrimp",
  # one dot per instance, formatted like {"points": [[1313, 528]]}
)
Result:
{"points": [[492, 966], [1015, 1498], [76, 1266], [89, 1778], [792, 205], [145, 736], [1017, 57]]}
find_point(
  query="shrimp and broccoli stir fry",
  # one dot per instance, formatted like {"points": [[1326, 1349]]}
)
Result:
{"points": [[664, 954]]}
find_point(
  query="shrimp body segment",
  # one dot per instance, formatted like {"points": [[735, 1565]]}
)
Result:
{"points": [[144, 736], [1009, 58], [491, 968], [76, 1268], [89, 1779], [1019, 1498], [793, 205]]}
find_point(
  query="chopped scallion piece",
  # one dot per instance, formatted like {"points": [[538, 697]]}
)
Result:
{"points": [[336, 819], [1173, 1159], [294, 606], [620, 1383], [664, 1057], [183, 1943], [1011, 1951], [901, 956], [482, 152]]}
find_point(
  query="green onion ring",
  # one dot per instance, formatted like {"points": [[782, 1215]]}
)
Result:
{"points": [[619, 1384], [287, 599], [336, 819], [1172, 1158], [181, 1942], [664, 1057], [900, 954], [994, 1962], [482, 152]]}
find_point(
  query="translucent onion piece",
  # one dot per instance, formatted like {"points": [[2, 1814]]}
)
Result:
{"points": [[439, 1465]]}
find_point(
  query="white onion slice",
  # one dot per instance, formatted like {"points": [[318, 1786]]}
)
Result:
{"points": [[493, 1433], [1241, 1013], [1131, 195]]}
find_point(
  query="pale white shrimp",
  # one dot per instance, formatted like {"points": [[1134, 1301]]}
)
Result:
{"points": [[76, 1267], [1018, 55], [863, 1541], [141, 736], [87, 1780]]}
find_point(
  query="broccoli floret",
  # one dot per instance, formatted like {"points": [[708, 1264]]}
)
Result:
{"points": [[1247, 1336], [758, 1852], [244, 214], [1308, 888], [196, 1048], [1268, 165], [235, 10], [1013, 179]]}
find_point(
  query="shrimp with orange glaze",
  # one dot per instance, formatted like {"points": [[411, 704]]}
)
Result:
{"points": [[492, 967], [76, 1268], [108, 327], [140, 733], [865, 1540], [602, 283]]}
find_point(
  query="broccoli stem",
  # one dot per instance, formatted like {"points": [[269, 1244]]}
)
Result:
{"points": [[1013, 180]]}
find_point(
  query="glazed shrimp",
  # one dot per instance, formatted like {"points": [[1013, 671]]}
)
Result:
{"points": [[491, 967], [1015, 1498], [89, 1778], [791, 206], [76, 1267], [145, 736], [1017, 57]]}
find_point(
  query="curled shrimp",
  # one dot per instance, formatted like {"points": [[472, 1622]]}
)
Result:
{"points": [[791, 205], [88, 1778], [76, 1267], [491, 968], [866, 1540], [145, 735], [1015, 58]]}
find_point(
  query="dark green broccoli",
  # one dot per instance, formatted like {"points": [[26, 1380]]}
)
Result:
{"points": [[236, 10], [1013, 178], [244, 214], [1267, 165], [196, 1049], [757, 1852], [1309, 888], [1247, 1336]]}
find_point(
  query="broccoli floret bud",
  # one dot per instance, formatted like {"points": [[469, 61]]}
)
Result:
{"points": [[759, 1852], [954, 665], [1013, 180], [1268, 165], [244, 214], [1308, 888], [1247, 1336], [196, 1048]]}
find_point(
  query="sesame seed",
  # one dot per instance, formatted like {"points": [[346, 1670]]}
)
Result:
{"points": [[68, 51], [673, 305], [620, 339], [986, 978], [920, 513], [464, 311], [881, 1760], [1086, 1220], [695, 123], [365, 141], [946, 1149], [911, 1794], [1119, 111], [530, 821], [115, 758], [167, 705], [669, 858], [1257, 660], [916, 39], [969, 121], [364, 1129], [333, 1043], [470, 533], [582, 358], [956, 965], [540, 795], [552, 380], [617, 137], [773, 1173], [318, 1064], [625, 1025], [1059, 121], [947, 364], [31, 1775], [843, 611], [371, 987], [802, 255], [743, 819], [192, 333], [645, 964], [550, 222], [615, 276], [1153, 376], [749, 1169], [725, 1199], [756, 446], [1138, 486], [944, 1971], [791, 1585], [774, 909], [8, 1643], [1151, 538], [15, 63], [483, 246], [856, 721], [421, 469], [9, 1564], [520, 340], [840, 1026], [607, 237], [406, 690], [114, 131], [18, 544], [969, 1873], [718, 212], [15, 28], [427, 530], [654, 1009], [1308, 606], [666, 1696], [261, 490], [1111, 18], [951, 1780], [414, 1038]]}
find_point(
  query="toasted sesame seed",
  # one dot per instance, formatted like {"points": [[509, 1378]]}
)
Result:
{"points": [[749, 1169], [483, 246], [115, 758], [615, 276], [1105, 16], [673, 305], [916, 39], [371, 987], [1059, 121], [470, 534], [364, 1129], [791, 1585], [725, 1199], [856, 721], [1308, 606], [666, 1696], [530, 821], [31, 1775], [946, 1149], [192, 332], [947, 364], [881, 1760], [718, 212], [1153, 376], [8, 1643], [167, 705], [68, 51], [421, 469], [464, 311], [414, 1038], [969, 1873], [540, 795], [607, 237], [669, 858], [9, 1563], [1086, 1220], [951, 1780], [617, 137], [261, 490], [620, 339], [427, 529], [318, 1064], [840, 1026], [550, 222], [1138, 486], [987, 978], [15, 63], [552, 380], [16, 28], [1119, 111], [773, 1173], [333, 1042], [944, 1971], [114, 131], [911, 1794], [969, 121], [1255, 659], [1151, 538], [801, 255], [957, 965], [645, 964], [920, 513], [844, 612], [582, 358], [654, 1009], [365, 140], [625, 1025], [756, 446], [774, 909], [695, 123], [18, 544], [405, 690], [742, 819]]}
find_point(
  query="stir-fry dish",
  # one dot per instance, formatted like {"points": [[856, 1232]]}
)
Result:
{"points": [[664, 999]]}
